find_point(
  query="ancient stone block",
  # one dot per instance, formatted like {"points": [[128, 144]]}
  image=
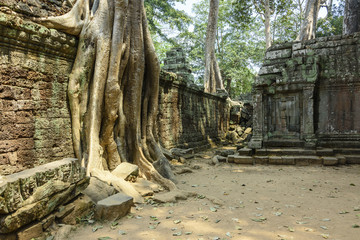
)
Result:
{"points": [[242, 159], [98, 190], [113, 207], [30, 232], [15, 189], [261, 159], [278, 54], [330, 161], [352, 159], [79, 209], [124, 170]]}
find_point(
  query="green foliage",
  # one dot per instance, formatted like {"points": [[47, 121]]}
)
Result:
{"points": [[331, 25], [239, 48], [159, 12]]}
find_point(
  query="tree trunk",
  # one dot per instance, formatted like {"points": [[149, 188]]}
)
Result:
{"points": [[308, 27], [113, 87], [212, 76], [351, 17], [329, 8], [267, 17]]}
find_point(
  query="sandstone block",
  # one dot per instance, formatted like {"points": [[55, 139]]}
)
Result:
{"points": [[33, 231], [80, 208], [261, 159], [243, 159], [245, 152], [352, 159], [98, 190], [125, 169], [145, 187], [330, 161], [113, 207], [16, 188]]}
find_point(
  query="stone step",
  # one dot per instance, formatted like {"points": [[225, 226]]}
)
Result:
{"points": [[245, 152], [284, 151], [347, 151], [352, 159], [330, 161], [240, 159], [296, 160]]}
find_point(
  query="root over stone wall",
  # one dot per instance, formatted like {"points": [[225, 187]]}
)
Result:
{"points": [[35, 126]]}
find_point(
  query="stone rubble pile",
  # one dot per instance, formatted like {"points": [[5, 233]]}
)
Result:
{"points": [[37, 201], [240, 128]]}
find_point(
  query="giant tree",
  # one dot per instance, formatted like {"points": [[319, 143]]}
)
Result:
{"points": [[212, 75], [113, 87], [267, 9], [308, 27], [351, 17]]}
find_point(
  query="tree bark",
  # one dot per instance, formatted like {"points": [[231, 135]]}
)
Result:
{"points": [[212, 76], [113, 87], [308, 27], [351, 17], [267, 17]]}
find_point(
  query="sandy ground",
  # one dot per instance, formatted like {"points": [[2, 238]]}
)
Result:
{"points": [[259, 203]]}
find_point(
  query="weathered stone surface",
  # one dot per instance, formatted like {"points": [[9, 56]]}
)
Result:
{"points": [[306, 97], [225, 153], [281, 160], [30, 232], [35, 211], [16, 189], [175, 62], [11, 236], [352, 159], [125, 169], [98, 190], [113, 207], [145, 187], [33, 94], [245, 152], [215, 160], [80, 208], [330, 161], [63, 232], [241, 159], [261, 159]]}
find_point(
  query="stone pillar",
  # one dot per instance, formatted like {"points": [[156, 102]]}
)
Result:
{"points": [[308, 130], [258, 121]]}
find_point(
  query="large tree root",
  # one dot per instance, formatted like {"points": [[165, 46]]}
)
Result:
{"points": [[113, 90]]}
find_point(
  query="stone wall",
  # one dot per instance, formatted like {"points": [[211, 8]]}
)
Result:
{"points": [[307, 94], [188, 117], [35, 126], [37, 8], [34, 66]]}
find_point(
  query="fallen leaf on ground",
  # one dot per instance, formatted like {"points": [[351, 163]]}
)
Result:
{"points": [[177, 221], [94, 229], [177, 234], [291, 229], [326, 236], [213, 209], [355, 226], [263, 219]]}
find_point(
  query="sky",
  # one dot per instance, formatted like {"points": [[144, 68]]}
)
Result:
{"points": [[187, 6], [189, 3]]}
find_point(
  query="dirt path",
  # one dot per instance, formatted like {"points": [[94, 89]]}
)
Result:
{"points": [[259, 203]]}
